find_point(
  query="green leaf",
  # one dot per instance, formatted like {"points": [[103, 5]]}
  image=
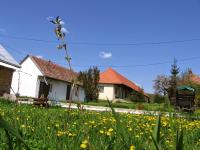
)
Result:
{"points": [[119, 126], [179, 140], [156, 133], [7, 127], [10, 147], [155, 143]]}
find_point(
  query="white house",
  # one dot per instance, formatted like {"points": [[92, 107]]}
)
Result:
{"points": [[113, 85], [7, 66], [38, 77]]}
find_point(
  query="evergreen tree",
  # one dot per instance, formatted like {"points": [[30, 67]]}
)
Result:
{"points": [[173, 80]]}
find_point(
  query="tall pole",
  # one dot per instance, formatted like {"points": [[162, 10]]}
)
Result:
{"points": [[61, 36]]}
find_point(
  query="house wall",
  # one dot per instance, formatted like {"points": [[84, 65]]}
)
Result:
{"points": [[59, 91], [25, 80], [80, 96], [5, 79], [108, 92]]}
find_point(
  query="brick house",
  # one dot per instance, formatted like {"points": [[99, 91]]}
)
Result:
{"points": [[7, 66]]}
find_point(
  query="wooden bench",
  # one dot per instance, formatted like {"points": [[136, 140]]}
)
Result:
{"points": [[41, 102]]}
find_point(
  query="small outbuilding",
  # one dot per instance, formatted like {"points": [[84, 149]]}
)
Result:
{"points": [[185, 96], [7, 66]]}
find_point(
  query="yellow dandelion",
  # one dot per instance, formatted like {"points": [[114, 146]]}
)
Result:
{"points": [[85, 142], [23, 126], [110, 130], [70, 134], [132, 147], [101, 131], [108, 133], [83, 146]]}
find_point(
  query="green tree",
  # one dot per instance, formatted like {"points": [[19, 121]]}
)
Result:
{"points": [[90, 80], [174, 78]]}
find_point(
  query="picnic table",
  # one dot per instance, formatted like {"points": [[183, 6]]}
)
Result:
{"points": [[41, 102]]}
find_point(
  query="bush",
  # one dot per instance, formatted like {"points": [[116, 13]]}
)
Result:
{"points": [[159, 99], [140, 106], [136, 97], [197, 100]]}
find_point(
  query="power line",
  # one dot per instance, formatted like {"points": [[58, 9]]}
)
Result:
{"points": [[102, 44], [116, 66], [14, 50], [143, 65], [27, 39]]}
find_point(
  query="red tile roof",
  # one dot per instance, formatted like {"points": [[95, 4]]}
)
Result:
{"points": [[195, 78], [52, 70], [111, 76]]}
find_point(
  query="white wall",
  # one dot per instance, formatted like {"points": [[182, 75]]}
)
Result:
{"points": [[108, 92], [59, 90], [80, 96], [26, 79]]}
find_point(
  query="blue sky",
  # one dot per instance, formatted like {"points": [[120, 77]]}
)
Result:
{"points": [[108, 22]]}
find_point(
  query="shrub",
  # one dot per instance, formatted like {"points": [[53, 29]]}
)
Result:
{"points": [[197, 100], [136, 97], [159, 99], [140, 106]]}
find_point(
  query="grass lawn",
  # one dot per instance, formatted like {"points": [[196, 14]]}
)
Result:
{"points": [[133, 105], [58, 129]]}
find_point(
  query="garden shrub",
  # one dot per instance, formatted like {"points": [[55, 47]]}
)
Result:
{"points": [[140, 106], [197, 100], [159, 99], [136, 97]]}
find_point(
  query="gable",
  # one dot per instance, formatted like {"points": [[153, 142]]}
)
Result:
{"points": [[28, 66], [110, 76], [54, 71]]}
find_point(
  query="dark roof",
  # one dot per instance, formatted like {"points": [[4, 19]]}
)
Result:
{"points": [[6, 58], [52, 70], [185, 88]]}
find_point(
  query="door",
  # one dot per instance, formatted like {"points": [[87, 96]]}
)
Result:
{"points": [[43, 90], [68, 91]]}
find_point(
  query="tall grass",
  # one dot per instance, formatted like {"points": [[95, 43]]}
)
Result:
{"points": [[57, 128]]}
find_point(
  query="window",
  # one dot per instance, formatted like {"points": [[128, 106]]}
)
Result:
{"points": [[101, 89], [50, 88], [76, 91]]}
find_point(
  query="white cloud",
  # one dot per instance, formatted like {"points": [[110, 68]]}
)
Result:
{"points": [[49, 18], [64, 30], [62, 22], [39, 56], [105, 55]]}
